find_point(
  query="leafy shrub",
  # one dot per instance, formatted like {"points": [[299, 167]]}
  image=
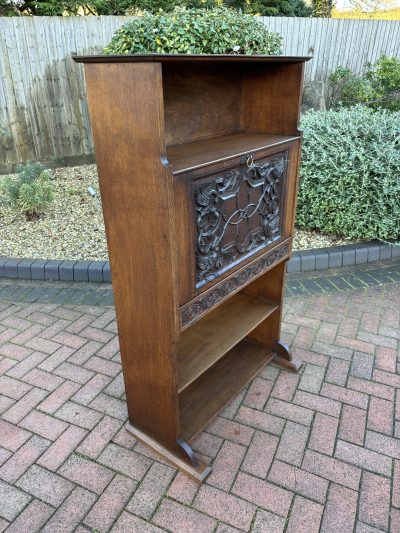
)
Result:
{"points": [[195, 31], [30, 191], [378, 85], [350, 173]]}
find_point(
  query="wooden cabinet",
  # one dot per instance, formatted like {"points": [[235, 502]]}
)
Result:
{"points": [[198, 160]]}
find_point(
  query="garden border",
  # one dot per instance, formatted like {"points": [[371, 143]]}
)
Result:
{"points": [[99, 271]]}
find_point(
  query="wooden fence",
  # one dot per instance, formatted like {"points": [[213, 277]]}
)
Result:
{"points": [[43, 111]]}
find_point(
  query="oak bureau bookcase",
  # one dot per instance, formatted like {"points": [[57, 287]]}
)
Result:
{"points": [[198, 161]]}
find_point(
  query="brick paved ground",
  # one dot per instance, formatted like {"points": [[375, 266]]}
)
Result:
{"points": [[308, 453]]}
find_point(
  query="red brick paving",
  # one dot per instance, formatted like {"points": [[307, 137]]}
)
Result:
{"points": [[317, 452]]}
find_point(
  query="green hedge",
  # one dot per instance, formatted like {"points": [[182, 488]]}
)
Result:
{"points": [[195, 31], [350, 173]]}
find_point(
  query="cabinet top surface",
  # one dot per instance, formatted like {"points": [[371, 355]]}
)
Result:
{"points": [[189, 58]]}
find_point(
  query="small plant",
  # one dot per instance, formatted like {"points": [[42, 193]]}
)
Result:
{"points": [[378, 86], [350, 173], [195, 31], [30, 191]]}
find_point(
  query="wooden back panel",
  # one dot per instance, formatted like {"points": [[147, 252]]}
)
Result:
{"points": [[271, 97], [126, 109], [201, 101]]}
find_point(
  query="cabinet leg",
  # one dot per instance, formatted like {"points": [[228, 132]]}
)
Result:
{"points": [[194, 468], [284, 358]]}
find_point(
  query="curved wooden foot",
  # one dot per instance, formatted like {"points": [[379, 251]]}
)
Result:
{"points": [[284, 358], [194, 468]]}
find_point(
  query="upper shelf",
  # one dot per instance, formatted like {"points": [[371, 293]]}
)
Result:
{"points": [[187, 156], [182, 58]]}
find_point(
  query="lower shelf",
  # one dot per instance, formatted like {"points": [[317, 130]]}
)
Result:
{"points": [[205, 397]]}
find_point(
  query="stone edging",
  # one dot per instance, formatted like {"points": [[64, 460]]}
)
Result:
{"points": [[99, 271]]}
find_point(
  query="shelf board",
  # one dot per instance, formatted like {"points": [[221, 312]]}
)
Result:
{"points": [[188, 156], [200, 402], [213, 336]]}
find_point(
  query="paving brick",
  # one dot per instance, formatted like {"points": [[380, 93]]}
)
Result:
{"points": [[99, 437], [231, 408], [383, 444], [56, 359], [332, 350], [317, 403], [225, 507], [12, 501], [340, 510], [5, 403], [110, 406], [337, 371], [260, 454], [228, 429], [363, 458], [45, 485], [364, 528], [13, 388], [386, 378], [362, 365], [289, 411], [292, 443], [96, 334], [323, 434], [108, 368], [305, 516], [71, 512], [42, 345], [59, 451], [332, 469], [12, 437], [14, 351], [44, 425], [93, 387], [88, 474], [32, 518], [83, 354], [312, 378], [378, 340], [58, 397], [110, 503], [174, 516], [394, 520], [285, 386], [368, 387], [23, 406], [125, 461], [42, 379], [151, 490], [352, 424], [226, 465], [260, 420], [385, 359], [396, 484], [258, 393], [341, 394], [78, 415], [375, 500], [4, 455], [183, 489], [263, 494], [300, 481], [23, 459], [380, 416], [74, 373], [207, 444]]}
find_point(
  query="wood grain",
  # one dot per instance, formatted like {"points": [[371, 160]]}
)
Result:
{"points": [[136, 193], [209, 339], [189, 156], [202, 400]]}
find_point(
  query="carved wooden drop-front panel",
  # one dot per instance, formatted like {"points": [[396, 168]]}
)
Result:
{"points": [[239, 212]]}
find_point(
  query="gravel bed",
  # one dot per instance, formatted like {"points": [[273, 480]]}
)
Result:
{"points": [[73, 226]]}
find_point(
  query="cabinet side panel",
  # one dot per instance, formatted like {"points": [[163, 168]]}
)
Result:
{"points": [[271, 98], [126, 110]]}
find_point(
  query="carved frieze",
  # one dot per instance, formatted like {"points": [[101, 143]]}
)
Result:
{"points": [[193, 310]]}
